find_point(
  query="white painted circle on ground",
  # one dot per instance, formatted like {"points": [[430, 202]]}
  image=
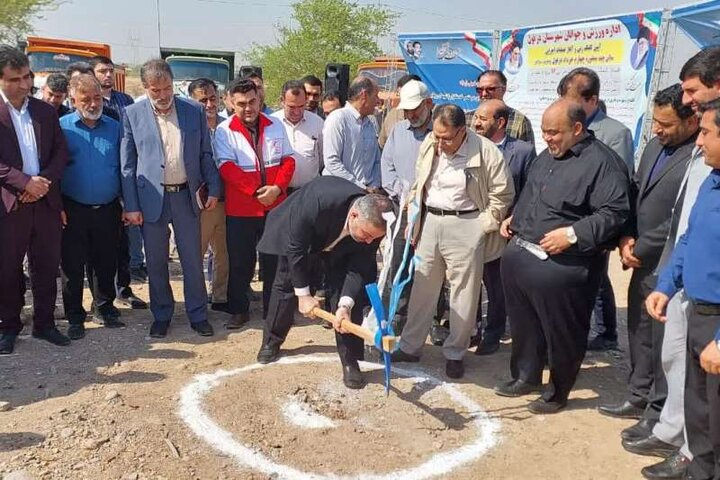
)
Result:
{"points": [[191, 411]]}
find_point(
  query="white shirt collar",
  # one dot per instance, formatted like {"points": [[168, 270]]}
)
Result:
{"points": [[501, 142], [22, 110]]}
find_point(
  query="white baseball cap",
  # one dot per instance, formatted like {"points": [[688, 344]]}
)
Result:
{"points": [[412, 95]]}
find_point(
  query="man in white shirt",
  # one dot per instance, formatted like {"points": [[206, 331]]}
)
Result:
{"points": [[304, 131]]}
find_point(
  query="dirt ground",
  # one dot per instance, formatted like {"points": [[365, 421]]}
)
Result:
{"points": [[108, 407]]}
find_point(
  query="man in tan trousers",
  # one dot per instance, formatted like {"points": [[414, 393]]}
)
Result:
{"points": [[463, 189]]}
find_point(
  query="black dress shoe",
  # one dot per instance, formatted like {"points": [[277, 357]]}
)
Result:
{"points": [[672, 468], [7, 343], [454, 368], [353, 377], [53, 336], [76, 331], [626, 409], [517, 388], [237, 321], [650, 446], [138, 274], [641, 429], [204, 329], [128, 298], [220, 307], [159, 329], [268, 353], [400, 356], [108, 320], [487, 348], [541, 406]]}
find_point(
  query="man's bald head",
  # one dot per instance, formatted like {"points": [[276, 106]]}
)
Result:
{"points": [[563, 125], [491, 118]]}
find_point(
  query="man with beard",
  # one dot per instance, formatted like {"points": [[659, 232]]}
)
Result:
{"points": [[491, 119], [33, 155], [91, 206], [398, 169], [574, 203], [166, 156], [256, 164], [313, 93]]}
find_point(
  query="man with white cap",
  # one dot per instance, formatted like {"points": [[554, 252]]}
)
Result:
{"points": [[463, 189], [398, 166]]}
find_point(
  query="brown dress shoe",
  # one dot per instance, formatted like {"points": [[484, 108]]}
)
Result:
{"points": [[237, 321]]}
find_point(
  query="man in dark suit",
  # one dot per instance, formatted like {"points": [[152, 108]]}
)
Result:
{"points": [[328, 217], [490, 121], [653, 193], [32, 159]]}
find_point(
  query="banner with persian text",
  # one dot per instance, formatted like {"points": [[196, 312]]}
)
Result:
{"points": [[620, 49], [449, 63]]}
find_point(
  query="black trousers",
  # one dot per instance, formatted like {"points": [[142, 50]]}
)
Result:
{"points": [[242, 238], [122, 270], [604, 321], [494, 327], [702, 400], [647, 383], [395, 261], [284, 304], [91, 237], [549, 303]]}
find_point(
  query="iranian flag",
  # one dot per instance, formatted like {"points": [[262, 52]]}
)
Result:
{"points": [[508, 44], [480, 48], [653, 27]]}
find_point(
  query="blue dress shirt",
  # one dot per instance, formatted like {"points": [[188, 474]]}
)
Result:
{"points": [[92, 175], [695, 265]]}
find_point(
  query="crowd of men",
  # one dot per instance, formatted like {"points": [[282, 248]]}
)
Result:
{"points": [[92, 183]]}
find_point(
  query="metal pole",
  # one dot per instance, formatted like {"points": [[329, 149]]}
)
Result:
{"points": [[157, 7]]}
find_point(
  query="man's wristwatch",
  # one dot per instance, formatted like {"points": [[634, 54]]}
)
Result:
{"points": [[570, 234]]}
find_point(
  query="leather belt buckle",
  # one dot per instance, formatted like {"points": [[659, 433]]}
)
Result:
{"points": [[175, 188]]}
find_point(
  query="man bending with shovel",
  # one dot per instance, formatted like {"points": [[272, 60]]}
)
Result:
{"points": [[331, 218]]}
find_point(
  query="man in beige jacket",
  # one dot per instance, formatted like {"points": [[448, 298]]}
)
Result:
{"points": [[463, 189]]}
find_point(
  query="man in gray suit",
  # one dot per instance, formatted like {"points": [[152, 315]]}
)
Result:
{"points": [[582, 85], [654, 189], [166, 157], [490, 121]]}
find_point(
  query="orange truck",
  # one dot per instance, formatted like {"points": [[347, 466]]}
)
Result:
{"points": [[49, 55]]}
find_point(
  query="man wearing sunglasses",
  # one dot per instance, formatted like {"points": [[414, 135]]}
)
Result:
{"points": [[492, 85]]}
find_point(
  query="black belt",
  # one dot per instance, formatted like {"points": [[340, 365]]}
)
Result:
{"points": [[85, 205], [452, 213], [709, 309], [176, 188]]}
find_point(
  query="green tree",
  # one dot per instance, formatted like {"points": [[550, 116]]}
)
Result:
{"points": [[322, 31], [16, 15]]}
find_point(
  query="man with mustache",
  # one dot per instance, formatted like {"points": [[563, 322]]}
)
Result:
{"points": [[91, 206], [166, 157]]}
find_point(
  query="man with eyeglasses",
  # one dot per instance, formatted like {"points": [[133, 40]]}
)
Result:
{"points": [[492, 85], [464, 189]]}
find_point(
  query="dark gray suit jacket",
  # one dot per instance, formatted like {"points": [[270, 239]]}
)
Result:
{"points": [[652, 201], [519, 156]]}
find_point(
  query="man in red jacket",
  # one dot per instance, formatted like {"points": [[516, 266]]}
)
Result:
{"points": [[255, 161]]}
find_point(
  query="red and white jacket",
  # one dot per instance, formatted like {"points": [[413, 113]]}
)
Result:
{"points": [[241, 169]]}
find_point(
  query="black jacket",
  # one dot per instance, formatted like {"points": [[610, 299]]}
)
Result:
{"points": [[313, 218], [652, 202]]}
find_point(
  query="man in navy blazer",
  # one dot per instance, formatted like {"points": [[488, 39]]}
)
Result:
{"points": [[490, 121], [33, 155], [166, 157]]}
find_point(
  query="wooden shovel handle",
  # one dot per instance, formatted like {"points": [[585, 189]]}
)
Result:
{"points": [[356, 330]]}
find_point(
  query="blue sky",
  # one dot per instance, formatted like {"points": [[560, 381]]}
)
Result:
{"points": [[130, 26]]}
